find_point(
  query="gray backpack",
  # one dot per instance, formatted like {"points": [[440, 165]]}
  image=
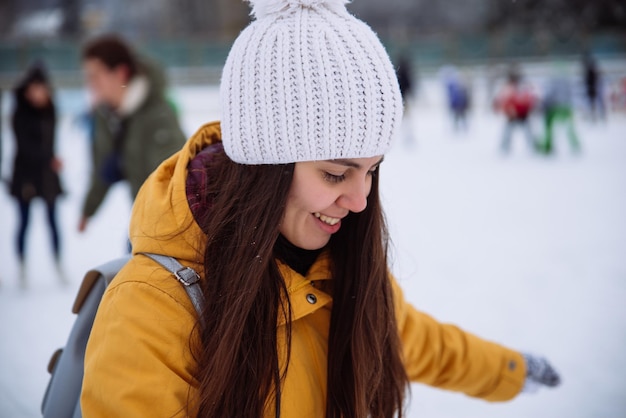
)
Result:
{"points": [[62, 397]]}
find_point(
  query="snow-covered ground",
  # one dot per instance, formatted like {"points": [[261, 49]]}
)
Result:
{"points": [[524, 250]]}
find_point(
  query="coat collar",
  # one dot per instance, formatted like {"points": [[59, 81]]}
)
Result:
{"points": [[306, 297], [136, 94]]}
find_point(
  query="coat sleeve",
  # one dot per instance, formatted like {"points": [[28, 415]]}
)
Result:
{"points": [[98, 190], [156, 136], [444, 356], [165, 137], [102, 141], [138, 361]]}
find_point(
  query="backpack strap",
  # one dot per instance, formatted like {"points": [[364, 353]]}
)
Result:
{"points": [[190, 280], [186, 275]]}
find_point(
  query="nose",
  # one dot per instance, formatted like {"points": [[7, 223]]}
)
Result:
{"points": [[354, 197]]}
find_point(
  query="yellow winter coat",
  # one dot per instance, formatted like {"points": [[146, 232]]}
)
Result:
{"points": [[138, 362]]}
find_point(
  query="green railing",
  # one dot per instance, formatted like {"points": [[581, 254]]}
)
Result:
{"points": [[198, 60]]}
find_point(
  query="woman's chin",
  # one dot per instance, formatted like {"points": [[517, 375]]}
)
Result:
{"points": [[311, 241]]}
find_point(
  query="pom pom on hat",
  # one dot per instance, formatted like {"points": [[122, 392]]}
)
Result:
{"points": [[307, 81], [263, 8]]}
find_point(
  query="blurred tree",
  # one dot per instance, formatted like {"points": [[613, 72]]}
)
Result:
{"points": [[222, 19], [8, 11], [192, 16], [404, 19], [208, 19], [232, 17], [560, 17], [72, 27], [415, 17]]}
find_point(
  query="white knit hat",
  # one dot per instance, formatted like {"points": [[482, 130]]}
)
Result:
{"points": [[307, 81]]}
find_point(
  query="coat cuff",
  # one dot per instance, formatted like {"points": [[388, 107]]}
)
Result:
{"points": [[513, 376]]}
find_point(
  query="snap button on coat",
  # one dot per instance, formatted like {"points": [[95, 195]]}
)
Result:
{"points": [[311, 298]]}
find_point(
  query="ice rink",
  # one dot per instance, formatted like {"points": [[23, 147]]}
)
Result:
{"points": [[525, 250]]}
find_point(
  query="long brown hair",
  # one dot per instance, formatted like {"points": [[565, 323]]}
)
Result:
{"points": [[238, 363]]}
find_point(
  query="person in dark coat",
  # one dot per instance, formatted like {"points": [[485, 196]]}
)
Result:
{"points": [[134, 127], [35, 168], [593, 93], [405, 74]]}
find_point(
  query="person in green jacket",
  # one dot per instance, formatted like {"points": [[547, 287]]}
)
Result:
{"points": [[134, 126]]}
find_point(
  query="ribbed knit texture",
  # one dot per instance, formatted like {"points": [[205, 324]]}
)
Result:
{"points": [[305, 82]]}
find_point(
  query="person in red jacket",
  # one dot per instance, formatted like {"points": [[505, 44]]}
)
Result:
{"points": [[516, 101]]}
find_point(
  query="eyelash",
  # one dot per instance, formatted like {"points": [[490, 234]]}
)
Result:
{"points": [[331, 178]]}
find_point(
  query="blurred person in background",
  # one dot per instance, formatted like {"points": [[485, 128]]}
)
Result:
{"points": [[593, 88], [493, 74], [458, 94], [406, 81], [134, 127], [1, 178], [1, 138], [35, 168], [618, 95], [516, 101], [558, 110]]}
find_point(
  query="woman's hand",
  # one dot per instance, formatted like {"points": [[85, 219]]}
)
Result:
{"points": [[539, 372], [56, 164], [82, 224]]}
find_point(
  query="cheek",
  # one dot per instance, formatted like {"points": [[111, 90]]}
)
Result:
{"points": [[306, 197], [314, 198], [309, 192], [102, 86], [109, 86], [96, 86], [297, 208]]}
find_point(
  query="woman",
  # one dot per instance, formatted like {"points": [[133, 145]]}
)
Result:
{"points": [[278, 210], [35, 168]]}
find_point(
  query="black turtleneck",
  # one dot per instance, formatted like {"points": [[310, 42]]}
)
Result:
{"points": [[295, 257]]}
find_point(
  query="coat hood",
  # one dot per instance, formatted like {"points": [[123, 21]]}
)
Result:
{"points": [[161, 220], [155, 76], [35, 74], [145, 88], [154, 73]]}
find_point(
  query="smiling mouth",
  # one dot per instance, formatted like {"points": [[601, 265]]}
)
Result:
{"points": [[327, 219]]}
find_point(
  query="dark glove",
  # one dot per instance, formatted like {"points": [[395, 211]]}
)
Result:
{"points": [[539, 373]]}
